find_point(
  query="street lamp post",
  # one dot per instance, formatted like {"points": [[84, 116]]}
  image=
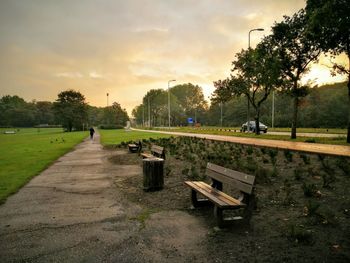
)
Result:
{"points": [[221, 114], [273, 109], [169, 100], [248, 117], [149, 113], [143, 114]]}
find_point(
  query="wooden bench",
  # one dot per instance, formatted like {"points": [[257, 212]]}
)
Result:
{"points": [[135, 147], [213, 193], [156, 151], [9, 132]]}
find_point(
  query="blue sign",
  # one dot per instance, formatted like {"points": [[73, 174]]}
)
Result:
{"points": [[190, 120]]}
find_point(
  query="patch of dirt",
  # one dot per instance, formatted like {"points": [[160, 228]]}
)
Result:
{"points": [[302, 214], [123, 157]]}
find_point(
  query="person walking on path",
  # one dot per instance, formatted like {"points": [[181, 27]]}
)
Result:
{"points": [[92, 131]]}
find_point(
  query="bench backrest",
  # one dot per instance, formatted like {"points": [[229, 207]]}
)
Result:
{"points": [[158, 150], [241, 181]]}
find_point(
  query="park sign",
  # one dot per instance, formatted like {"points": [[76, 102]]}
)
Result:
{"points": [[190, 120]]}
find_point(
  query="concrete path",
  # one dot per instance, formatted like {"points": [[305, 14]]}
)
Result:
{"points": [[73, 212], [337, 150]]}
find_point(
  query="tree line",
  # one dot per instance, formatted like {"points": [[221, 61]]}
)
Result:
{"points": [[70, 110], [323, 107], [186, 100]]}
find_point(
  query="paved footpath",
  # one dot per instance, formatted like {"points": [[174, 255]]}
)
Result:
{"points": [[69, 213], [337, 150], [74, 212]]}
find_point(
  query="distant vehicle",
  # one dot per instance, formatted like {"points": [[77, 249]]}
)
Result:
{"points": [[262, 127]]}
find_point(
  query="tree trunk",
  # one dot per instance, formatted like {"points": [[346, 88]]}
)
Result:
{"points": [[153, 174], [295, 117], [257, 121], [70, 127]]}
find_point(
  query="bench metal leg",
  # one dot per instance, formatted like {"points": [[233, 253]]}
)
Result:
{"points": [[218, 216], [194, 198], [198, 202]]}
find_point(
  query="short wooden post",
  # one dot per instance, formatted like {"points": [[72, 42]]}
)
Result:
{"points": [[153, 174]]}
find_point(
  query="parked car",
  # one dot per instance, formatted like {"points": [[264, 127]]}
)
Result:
{"points": [[262, 127]]}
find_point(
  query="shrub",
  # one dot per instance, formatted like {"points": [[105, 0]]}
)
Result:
{"points": [[262, 175], [309, 189], [299, 235], [311, 208], [274, 172], [273, 154], [194, 175], [251, 166], [250, 150], [343, 164], [287, 187], [305, 158], [327, 178], [298, 173], [310, 140], [289, 155], [185, 171], [167, 170], [110, 127]]}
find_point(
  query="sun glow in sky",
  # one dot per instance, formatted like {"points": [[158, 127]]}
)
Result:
{"points": [[126, 48]]}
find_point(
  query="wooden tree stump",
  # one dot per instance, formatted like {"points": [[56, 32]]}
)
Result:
{"points": [[153, 174]]}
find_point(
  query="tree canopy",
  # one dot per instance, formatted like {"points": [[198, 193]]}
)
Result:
{"points": [[329, 27], [71, 109], [296, 52], [186, 100], [255, 73]]}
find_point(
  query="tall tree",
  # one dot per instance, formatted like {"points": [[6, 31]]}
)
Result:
{"points": [[255, 74], [140, 114], [14, 111], [71, 109], [329, 26], [44, 112], [190, 100], [115, 115], [156, 101], [296, 51]]}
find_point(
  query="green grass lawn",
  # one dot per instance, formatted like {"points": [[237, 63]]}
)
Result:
{"points": [[28, 152], [110, 137]]}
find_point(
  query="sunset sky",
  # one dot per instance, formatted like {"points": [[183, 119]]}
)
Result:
{"points": [[127, 47]]}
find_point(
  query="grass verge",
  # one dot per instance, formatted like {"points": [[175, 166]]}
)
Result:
{"points": [[28, 152], [111, 137]]}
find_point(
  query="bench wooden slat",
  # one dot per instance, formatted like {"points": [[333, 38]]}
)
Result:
{"points": [[219, 198], [245, 178], [147, 155], [212, 198], [222, 196], [224, 179], [157, 149]]}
